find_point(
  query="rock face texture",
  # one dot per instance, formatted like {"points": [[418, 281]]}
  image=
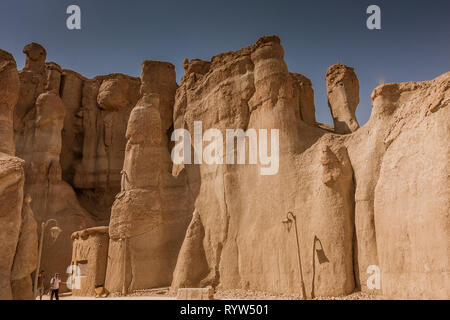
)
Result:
{"points": [[343, 97], [9, 93], [18, 233], [150, 215], [236, 238], [356, 200], [11, 196], [412, 194], [93, 141], [398, 157], [39, 120], [89, 260], [70, 131], [98, 152], [97, 112], [25, 260]]}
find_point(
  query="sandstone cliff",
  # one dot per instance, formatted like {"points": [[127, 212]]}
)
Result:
{"points": [[97, 112], [401, 164], [236, 238], [343, 97], [98, 152], [151, 213], [38, 122], [70, 131], [18, 233], [376, 197]]}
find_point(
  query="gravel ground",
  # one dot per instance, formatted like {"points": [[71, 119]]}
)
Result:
{"points": [[164, 294], [160, 292], [256, 295], [249, 295]]}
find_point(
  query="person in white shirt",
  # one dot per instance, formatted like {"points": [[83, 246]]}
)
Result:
{"points": [[54, 286]]}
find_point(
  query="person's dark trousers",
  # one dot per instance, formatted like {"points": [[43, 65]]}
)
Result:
{"points": [[54, 293]]}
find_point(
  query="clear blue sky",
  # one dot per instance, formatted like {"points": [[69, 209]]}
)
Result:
{"points": [[116, 36]]}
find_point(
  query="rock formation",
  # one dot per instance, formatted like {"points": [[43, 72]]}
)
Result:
{"points": [[343, 97], [89, 260], [70, 130], [9, 93], [353, 195], [39, 121], [236, 238], [97, 112], [18, 228], [93, 139], [11, 197], [98, 151], [400, 159], [36, 55], [150, 215], [25, 259]]}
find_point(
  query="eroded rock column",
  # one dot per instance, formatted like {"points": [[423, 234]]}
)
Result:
{"points": [[25, 260], [236, 239], [39, 121], [9, 94], [343, 97], [17, 225], [151, 213]]}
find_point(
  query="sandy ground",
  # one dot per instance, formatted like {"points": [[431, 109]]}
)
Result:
{"points": [[163, 294], [70, 297]]}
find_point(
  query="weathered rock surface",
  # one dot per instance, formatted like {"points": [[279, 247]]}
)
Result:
{"points": [[306, 98], [398, 157], [11, 197], [371, 196], [18, 233], [412, 195], [70, 130], [36, 55], [89, 260], [97, 112], [38, 121], [343, 97], [93, 139], [26, 257], [53, 197], [236, 238], [9, 93], [150, 215], [379, 196]]}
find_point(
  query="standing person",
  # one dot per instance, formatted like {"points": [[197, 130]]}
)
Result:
{"points": [[54, 286], [40, 284]]}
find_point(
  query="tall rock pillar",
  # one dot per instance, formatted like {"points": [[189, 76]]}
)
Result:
{"points": [[17, 227], [343, 97], [150, 216]]}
